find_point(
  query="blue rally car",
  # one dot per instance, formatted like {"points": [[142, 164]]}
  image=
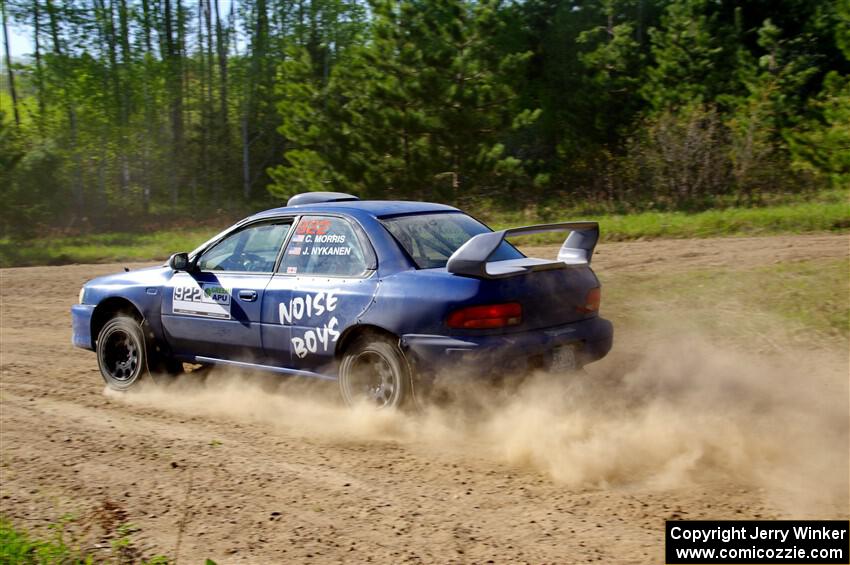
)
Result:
{"points": [[379, 295]]}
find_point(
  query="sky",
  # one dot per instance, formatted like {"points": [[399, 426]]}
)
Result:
{"points": [[20, 38], [19, 42]]}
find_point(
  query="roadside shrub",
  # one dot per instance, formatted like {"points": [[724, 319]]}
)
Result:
{"points": [[678, 159]]}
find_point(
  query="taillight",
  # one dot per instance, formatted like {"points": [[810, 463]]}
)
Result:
{"points": [[591, 301], [489, 316]]}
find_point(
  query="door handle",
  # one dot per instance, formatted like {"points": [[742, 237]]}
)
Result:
{"points": [[248, 295]]}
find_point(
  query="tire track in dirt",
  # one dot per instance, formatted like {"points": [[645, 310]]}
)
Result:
{"points": [[268, 491]]}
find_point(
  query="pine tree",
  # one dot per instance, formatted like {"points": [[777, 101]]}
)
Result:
{"points": [[418, 112], [694, 52], [821, 145]]}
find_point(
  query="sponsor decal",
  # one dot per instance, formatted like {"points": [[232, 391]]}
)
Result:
{"points": [[313, 227], [309, 308], [209, 300], [335, 250], [329, 238]]}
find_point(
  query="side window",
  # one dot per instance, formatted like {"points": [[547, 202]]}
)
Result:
{"points": [[323, 246], [253, 249]]}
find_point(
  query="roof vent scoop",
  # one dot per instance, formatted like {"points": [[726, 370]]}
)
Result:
{"points": [[319, 198]]}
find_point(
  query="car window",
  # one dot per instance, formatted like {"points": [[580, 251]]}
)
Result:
{"points": [[253, 249], [323, 245], [430, 239]]}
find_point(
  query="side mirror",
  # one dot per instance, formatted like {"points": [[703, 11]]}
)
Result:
{"points": [[179, 261]]}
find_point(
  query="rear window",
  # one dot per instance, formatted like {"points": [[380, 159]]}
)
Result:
{"points": [[430, 239]]}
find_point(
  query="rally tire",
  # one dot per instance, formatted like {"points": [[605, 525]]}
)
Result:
{"points": [[374, 371], [122, 352]]}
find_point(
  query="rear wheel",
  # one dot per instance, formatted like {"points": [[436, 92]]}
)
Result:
{"points": [[121, 352], [374, 371]]}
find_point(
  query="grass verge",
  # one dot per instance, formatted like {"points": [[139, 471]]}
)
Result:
{"points": [[18, 547], [816, 216], [101, 248], [759, 308], [790, 218]]}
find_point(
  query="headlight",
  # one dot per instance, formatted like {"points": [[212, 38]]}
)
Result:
{"points": [[82, 294]]}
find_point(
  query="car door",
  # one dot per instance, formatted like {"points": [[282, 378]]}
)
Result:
{"points": [[324, 283], [215, 310]]}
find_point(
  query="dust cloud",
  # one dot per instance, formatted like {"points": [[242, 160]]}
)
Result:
{"points": [[674, 415]]}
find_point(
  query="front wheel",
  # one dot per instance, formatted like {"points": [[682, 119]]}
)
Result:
{"points": [[374, 371], [121, 353]]}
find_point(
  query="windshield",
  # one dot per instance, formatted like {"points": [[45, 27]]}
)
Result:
{"points": [[430, 239]]}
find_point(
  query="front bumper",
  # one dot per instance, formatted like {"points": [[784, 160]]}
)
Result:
{"points": [[81, 315], [501, 354]]}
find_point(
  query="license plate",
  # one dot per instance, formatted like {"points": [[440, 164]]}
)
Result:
{"points": [[564, 358]]}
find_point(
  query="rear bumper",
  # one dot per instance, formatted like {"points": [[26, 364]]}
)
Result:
{"points": [[81, 325], [499, 354]]}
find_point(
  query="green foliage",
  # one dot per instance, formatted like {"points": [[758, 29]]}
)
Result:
{"points": [[10, 152], [758, 154], [615, 60], [99, 248], [128, 108], [842, 27], [692, 52], [822, 145], [303, 125], [28, 184], [794, 218], [419, 111], [16, 547], [830, 212]]}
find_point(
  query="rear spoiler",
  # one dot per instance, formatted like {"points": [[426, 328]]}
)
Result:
{"points": [[471, 259]]}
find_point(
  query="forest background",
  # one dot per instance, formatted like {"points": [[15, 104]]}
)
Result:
{"points": [[134, 116]]}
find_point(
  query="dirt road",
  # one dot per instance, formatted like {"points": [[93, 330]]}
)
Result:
{"points": [[242, 469]]}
